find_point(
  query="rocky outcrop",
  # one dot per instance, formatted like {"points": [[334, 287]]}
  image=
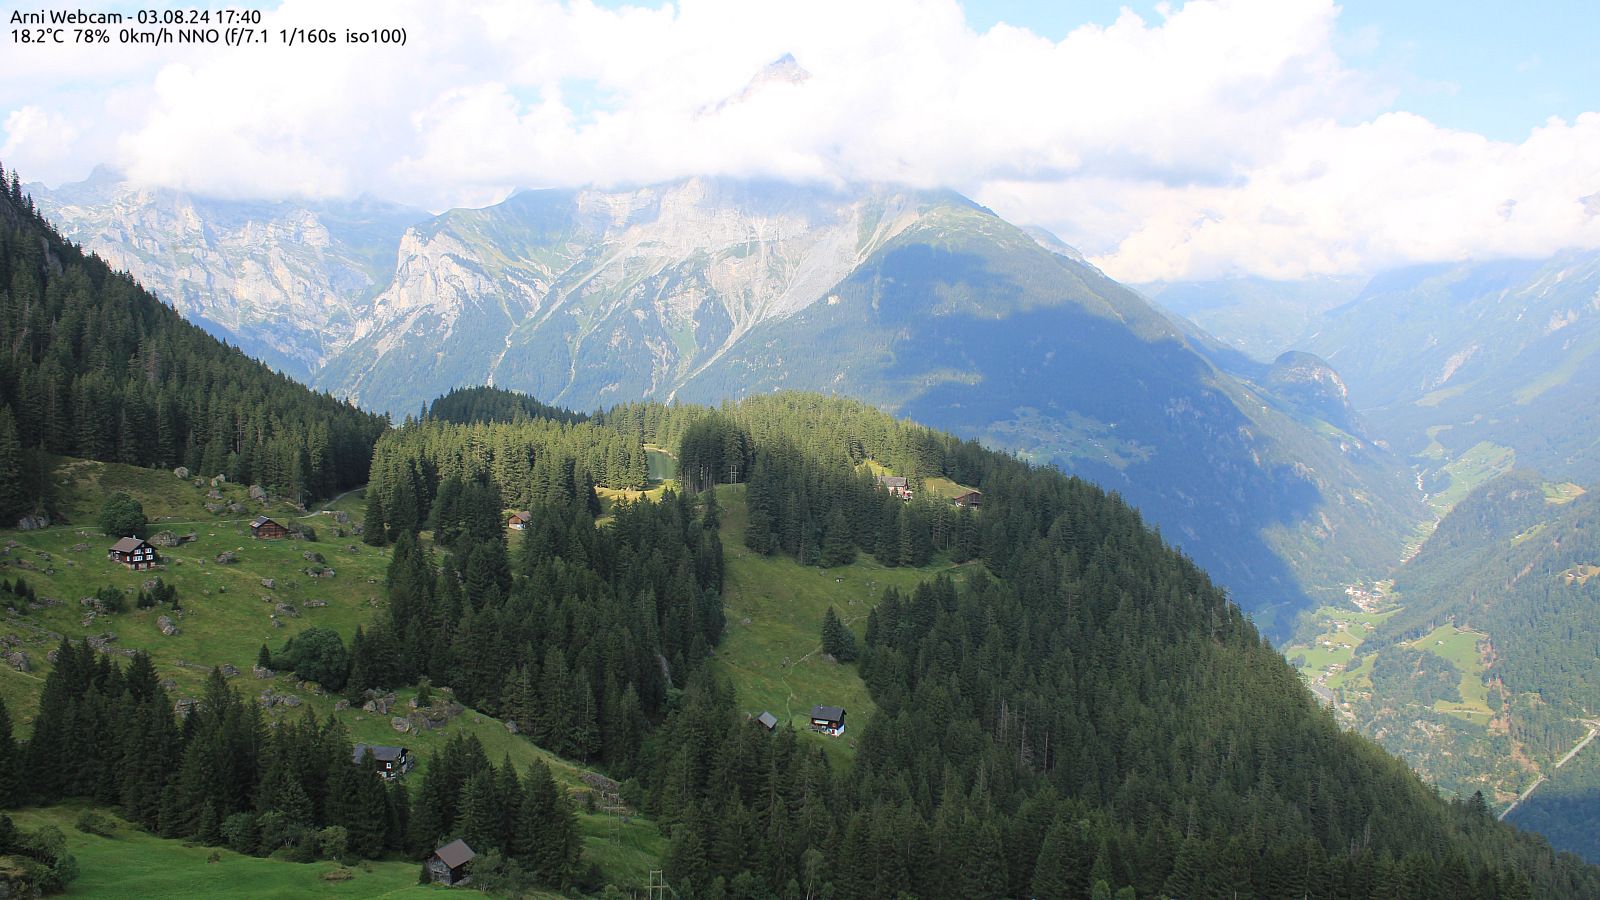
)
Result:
{"points": [[666, 278], [287, 280], [1306, 383]]}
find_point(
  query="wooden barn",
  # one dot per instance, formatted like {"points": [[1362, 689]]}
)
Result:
{"points": [[898, 485], [448, 864], [970, 498], [264, 529], [392, 761], [768, 721], [133, 553], [519, 520], [828, 719]]}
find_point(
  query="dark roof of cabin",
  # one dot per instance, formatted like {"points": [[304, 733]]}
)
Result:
{"points": [[127, 545], [455, 854], [260, 521], [381, 754], [827, 713], [893, 480], [768, 719]]}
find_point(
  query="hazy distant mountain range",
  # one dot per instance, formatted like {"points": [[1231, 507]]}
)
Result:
{"points": [[921, 302], [286, 282]]}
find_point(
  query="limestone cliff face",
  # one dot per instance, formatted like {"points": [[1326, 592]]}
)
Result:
{"points": [[1306, 382], [286, 281], [590, 297]]}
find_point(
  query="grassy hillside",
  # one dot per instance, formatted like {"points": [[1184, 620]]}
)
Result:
{"points": [[227, 609], [134, 863], [772, 650], [227, 613]]}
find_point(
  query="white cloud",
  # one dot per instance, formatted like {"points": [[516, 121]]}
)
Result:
{"points": [[31, 129], [1226, 136]]}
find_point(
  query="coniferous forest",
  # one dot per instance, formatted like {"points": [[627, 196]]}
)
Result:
{"points": [[94, 366], [1083, 715]]}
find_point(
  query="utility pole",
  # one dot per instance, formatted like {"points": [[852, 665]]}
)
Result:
{"points": [[659, 890]]}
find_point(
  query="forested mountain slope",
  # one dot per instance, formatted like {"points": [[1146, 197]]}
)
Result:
{"points": [[1259, 317], [1476, 664], [1093, 710], [96, 367], [1087, 711], [1518, 570], [967, 324], [1497, 351]]}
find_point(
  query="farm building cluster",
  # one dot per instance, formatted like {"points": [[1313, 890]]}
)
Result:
{"points": [[827, 720], [900, 486]]}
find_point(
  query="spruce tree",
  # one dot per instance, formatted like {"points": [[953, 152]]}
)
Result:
{"points": [[374, 532], [837, 639], [404, 511], [478, 822], [8, 759], [838, 545], [358, 800], [13, 496], [1052, 874]]}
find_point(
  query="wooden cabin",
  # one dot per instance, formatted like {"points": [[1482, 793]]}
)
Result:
{"points": [[970, 498], [768, 721], [448, 864], [828, 719], [264, 529], [519, 521], [898, 485], [392, 761], [135, 554]]}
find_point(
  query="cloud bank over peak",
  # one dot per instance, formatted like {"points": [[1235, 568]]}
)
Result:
{"points": [[1223, 136]]}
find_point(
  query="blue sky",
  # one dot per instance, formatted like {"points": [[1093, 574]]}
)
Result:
{"points": [[1495, 68]]}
